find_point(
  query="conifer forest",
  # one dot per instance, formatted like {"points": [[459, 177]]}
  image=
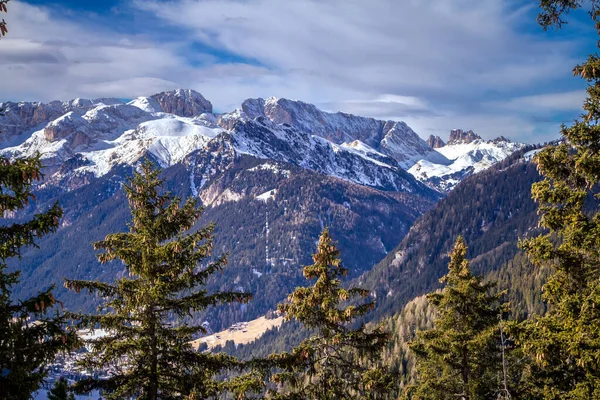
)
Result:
{"points": [[162, 247]]}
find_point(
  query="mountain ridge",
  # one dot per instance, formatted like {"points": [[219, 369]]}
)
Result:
{"points": [[467, 154], [171, 125]]}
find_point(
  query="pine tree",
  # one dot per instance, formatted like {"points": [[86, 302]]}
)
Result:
{"points": [[146, 348], [564, 344], [337, 361], [461, 356], [30, 335], [60, 391]]}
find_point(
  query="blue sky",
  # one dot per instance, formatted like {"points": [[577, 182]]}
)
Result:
{"points": [[440, 64]]}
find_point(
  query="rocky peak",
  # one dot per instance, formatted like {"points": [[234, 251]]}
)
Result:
{"points": [[182, 102], [17, 118], [254, 108], [64, 126], [392, 138], [304, 116], [460, 136], [435, 141], [501, 139]]}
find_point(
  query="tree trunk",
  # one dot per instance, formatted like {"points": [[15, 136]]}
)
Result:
{"points": [[465, 373], [153, 389]]}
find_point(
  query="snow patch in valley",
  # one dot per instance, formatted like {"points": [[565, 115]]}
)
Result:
{"points": [[266, 196], [530, 154], [257, 273], [228, 196], [271, 167]]}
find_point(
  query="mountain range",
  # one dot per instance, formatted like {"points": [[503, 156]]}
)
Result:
{"points": [[270, 174], [491, 210], [467, 153]]}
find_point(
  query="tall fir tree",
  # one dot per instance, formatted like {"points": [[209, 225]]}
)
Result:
{"points": [[30, 333], [60, 391], [337, 361], [147, 351], [460, 358], [564, 344]]}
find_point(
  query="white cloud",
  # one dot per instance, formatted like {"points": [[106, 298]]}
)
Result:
{"points": [[46, 58], [432, 63], [546, 102]]}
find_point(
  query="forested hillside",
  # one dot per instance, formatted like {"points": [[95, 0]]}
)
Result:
{"points": [[254, 204], [491, 210]]}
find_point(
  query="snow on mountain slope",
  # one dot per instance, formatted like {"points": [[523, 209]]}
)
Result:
{"points": [[90, 139], [106, 136], [181, 102], [395, 139], [263, 138], [466, 159], [367, 152], [19, 120]]}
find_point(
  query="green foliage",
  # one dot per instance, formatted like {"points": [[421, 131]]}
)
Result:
{"points": [[336, 362], [564, 344], [491, 210], [30, 336], [360, 217], [524, 282], [461, 356], [553, 11], [60, 391], [417, 315], [143, 313]]}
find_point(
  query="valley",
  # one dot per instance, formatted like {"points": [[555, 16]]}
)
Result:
{"points": [[270, 176], [320, 169]]}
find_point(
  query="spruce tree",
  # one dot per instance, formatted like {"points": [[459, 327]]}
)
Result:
{"points": [[60, 391], [564, 344], [461, 356], [31, 331], [337, 361], [146, 346]]}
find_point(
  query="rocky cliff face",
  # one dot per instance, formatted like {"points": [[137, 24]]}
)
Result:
{"points": [[102, 137], [25, 117], [460, 136], [183, 102], [435, 142], [395, 139]]}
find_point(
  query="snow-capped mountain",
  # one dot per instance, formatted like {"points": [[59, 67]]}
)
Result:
{"points": [[93, 136], [394, 139], [270, 186], [467, 153], [270, 174]]}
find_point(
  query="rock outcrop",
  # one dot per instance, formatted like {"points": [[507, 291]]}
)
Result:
{"points": [[183, 102], [435, 141], [460, 136]]}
